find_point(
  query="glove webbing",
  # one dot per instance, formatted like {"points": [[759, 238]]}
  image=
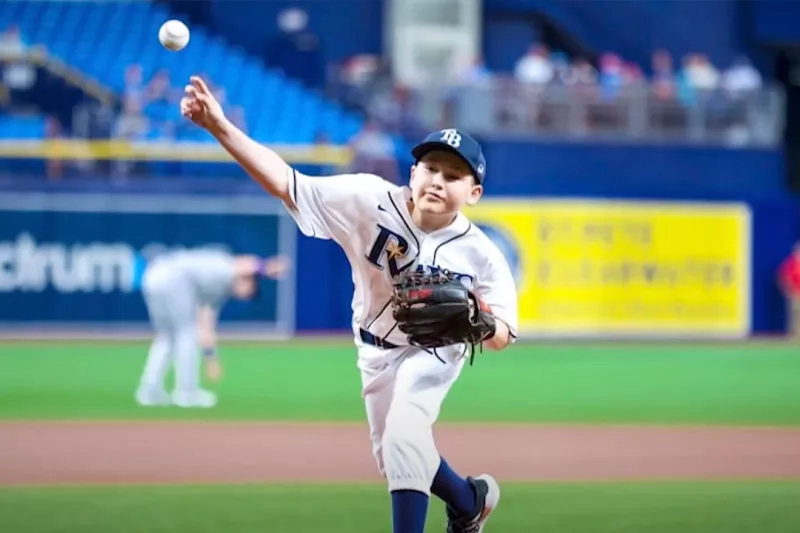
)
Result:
{"points": [[441, 276]]}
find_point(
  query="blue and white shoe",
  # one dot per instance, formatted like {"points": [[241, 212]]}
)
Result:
{"points": [[487, 494]]}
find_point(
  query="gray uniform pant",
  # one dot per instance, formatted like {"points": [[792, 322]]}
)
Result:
{"points": [[172, 307]]}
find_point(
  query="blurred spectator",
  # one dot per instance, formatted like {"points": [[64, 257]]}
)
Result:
{"points": [[394, 110], [741, 78], [696, 78], [475, 74], [374, 152], [17, 75], [160, 100], [384, 107], [611, 75], [93, 120], [134, 89], [359, 69], [131, 125], [562, 69], [632, 74], [54, 166], [11, 41], [357, 81], [663, 78], [701, 73], [535, 68], [408, 124], [582, 74], [160, 90], [789, 283]]}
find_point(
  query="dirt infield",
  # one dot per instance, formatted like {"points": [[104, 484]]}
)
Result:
{"points": [[161, 452]]}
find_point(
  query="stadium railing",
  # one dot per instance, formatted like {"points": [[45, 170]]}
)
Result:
{"points": [[629, 114]]}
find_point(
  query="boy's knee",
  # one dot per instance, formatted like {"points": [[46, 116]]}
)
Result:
{"points": [[408, 458]]}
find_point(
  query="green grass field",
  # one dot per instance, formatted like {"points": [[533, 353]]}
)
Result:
{"points": [[747, 384], [552, 508], [714, 384]]}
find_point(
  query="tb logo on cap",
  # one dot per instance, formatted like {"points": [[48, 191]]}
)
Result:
{"points": [[451, 137]]}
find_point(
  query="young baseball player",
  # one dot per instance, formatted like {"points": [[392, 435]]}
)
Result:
{"points": [[184, 292], [388, 231]]}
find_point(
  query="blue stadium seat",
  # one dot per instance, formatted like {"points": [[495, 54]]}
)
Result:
{"points": [[101, 39], [22, 127]]}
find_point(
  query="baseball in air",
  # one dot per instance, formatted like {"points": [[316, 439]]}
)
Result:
{"points": [[174, 35]]}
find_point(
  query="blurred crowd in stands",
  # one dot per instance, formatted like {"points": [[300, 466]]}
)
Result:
{"points": [[11, 40], [13, 75], [548, 93], [148, 110]]}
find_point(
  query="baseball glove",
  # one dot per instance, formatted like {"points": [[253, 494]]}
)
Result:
{"points": [[435, 309]]}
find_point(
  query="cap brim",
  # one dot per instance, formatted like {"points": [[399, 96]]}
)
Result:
{"points": [[421, 149]]}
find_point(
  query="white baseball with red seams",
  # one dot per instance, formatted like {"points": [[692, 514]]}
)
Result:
{"points": [[174, 35]]}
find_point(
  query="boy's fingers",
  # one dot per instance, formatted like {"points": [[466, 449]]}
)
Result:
{"points": [[198, 82]]}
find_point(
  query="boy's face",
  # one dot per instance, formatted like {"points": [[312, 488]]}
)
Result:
{"points": [[442, 183]]}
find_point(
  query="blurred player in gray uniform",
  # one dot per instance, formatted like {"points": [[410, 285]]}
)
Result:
{"points": [[184, 292]]}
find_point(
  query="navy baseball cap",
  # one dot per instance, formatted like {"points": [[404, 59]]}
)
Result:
{"points": [[457, 142]]}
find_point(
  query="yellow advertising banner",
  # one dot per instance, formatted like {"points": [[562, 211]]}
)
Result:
{"points": [[617, 269]]}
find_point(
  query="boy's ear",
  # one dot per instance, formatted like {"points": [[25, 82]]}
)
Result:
{"points": [[475, 195]]}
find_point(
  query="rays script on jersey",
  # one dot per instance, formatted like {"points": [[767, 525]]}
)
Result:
{"points": [[394, 247]]}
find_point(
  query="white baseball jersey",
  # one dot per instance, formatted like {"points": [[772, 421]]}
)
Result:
{"points": [[209, 274], [369, 218]]}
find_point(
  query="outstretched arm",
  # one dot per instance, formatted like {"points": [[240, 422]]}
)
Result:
{"points": [[251, 265], [266, 167], [322, 208], [207, 328]]}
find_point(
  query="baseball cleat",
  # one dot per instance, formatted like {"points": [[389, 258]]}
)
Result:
{"points": [[487, 494], [198, 398], [153, 397]]}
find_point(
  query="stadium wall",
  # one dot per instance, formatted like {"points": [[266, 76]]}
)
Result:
{"points": [[774, 22], [331, 22], [634, 28], [70, 255]]}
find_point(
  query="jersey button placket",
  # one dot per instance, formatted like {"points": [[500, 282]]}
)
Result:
{"points": [[425, 251]]}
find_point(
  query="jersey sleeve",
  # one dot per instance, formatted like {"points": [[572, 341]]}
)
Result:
{"points": [[326, 207], [498, 290]]}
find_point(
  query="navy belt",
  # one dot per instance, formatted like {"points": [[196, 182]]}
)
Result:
{"points": [[372, 340]]}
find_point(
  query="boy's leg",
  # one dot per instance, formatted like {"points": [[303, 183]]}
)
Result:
{"points": [[378, 373], [454, 490], [403, 399], [410, 454], [377, 384]]}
